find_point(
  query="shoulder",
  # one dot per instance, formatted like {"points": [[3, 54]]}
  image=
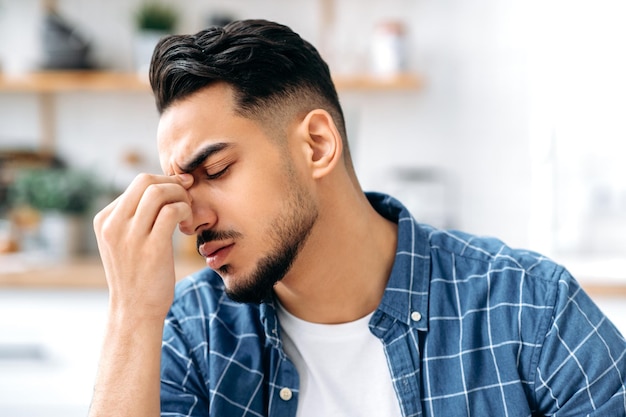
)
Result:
{"points": [[483, 272], [484, 253]]}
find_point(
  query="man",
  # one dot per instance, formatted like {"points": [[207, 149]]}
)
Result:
{"points": [[319, 300]]}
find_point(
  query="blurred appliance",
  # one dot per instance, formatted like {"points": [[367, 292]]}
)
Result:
{"points": [[63, 46], [426, 192]]}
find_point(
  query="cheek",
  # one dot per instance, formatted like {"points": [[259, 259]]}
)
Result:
{"points": [[261, 190], [247, 206], [256, 205], [253, 196]]}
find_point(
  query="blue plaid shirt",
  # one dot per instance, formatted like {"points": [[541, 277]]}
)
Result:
{"points": [[470, 327]]}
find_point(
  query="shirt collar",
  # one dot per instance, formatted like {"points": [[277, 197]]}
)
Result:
{"points": [[406, 294], [269, 318]]}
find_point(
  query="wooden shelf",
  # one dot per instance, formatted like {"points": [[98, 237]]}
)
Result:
{"points": [[49, 83], [102, 81], [68, 81], [368, 82]]}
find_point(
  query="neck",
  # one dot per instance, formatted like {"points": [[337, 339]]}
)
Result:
{"points": [[342, 271]]}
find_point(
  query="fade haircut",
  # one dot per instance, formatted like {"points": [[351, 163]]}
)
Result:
{"points": [[274, 73]]}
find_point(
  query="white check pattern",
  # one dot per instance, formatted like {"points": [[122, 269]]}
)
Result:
{"points": [[470, 327]]}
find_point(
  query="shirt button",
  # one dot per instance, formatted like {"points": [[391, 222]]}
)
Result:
{"points": [[285, 394], [416, 316]]}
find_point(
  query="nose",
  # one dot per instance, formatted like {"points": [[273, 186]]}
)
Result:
{"points": [[203, 214]]}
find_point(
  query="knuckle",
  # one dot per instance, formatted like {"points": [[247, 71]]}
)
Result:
{"points": [[107, 231], [98, 219], [144, 180], [175, 211], [155, 191], [167, 211], [170, 210], [145, 177], [107, 228], [101, 219]]}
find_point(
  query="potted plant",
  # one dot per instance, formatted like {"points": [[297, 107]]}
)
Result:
{"points": [[62, 198], [153, 20]]}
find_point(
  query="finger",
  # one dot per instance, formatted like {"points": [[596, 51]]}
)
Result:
{"points": [[104, 213], [127, 203], [186, 180], [168, 219], [156, 198], [113, 225], [101, 222]]}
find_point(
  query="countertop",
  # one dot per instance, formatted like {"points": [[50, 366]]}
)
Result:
{"points": [[79, 273], [599, 277]]}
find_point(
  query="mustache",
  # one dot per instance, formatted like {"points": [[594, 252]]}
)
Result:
{"points": [[215, 235]]}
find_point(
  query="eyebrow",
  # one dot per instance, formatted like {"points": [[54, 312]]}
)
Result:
{"points": [[200, 156]]}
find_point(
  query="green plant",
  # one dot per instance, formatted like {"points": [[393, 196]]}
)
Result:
{"points": [[64, 190], [156, 16]]}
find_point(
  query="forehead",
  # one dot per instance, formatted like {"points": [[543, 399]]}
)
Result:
{"points": [[206, 116], [211, 103]]}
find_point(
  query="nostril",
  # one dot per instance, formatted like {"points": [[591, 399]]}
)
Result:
{"points": [[202, 227]]}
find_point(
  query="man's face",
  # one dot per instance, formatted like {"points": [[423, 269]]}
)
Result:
{"points": [[251, 210]]}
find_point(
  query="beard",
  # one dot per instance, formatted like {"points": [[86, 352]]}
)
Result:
{"points": [[287, 234]]}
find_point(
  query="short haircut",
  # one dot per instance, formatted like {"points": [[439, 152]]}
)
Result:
{"points": [[272, 70]]}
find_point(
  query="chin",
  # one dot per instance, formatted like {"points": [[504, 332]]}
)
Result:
{"points": [[248, 288]]}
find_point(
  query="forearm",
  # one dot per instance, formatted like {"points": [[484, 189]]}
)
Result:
{"points": [[128, 380], [134, 235]]}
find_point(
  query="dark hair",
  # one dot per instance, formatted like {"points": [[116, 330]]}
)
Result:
{"points": [[270, 68]]}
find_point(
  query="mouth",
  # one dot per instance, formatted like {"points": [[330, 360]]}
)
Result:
{"points": [[215, 253]]}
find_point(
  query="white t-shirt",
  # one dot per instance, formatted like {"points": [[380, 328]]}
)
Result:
{"points": [[343, 368]]}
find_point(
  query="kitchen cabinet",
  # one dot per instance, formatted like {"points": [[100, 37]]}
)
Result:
{"points": [[52, 319], [49, 348]]}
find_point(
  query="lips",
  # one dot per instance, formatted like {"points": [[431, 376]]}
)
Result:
{"points": [[215, 253]]}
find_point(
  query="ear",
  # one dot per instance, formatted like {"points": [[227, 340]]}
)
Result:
{"points": [[323, 143]]}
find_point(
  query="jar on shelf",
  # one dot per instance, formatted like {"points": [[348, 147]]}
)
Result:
{"points": [[388, 49]]}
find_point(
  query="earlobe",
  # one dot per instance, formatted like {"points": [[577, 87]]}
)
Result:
{"points": [[323, 141]]}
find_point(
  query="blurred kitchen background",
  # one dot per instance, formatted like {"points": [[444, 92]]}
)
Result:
{"points": [[498, 117]]}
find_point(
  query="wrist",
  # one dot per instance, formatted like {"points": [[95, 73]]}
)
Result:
{"points": [[124, 311]]}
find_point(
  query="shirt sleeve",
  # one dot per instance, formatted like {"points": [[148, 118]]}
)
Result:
{"points": [[183, 391], [582, 366]]}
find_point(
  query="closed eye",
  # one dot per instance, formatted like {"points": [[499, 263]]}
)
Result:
{"points": [[217, 174]]}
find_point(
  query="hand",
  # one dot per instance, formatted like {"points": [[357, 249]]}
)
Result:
{"points": [[134, 235]]}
